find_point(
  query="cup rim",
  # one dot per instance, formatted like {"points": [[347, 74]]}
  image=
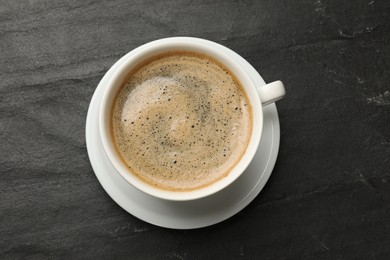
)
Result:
{"points": [[150, 49]]}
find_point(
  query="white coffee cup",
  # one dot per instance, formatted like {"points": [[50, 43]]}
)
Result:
{"points": [[258, 97]]}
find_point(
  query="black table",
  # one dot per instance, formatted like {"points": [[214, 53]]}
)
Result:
{"points": [[329, 194]]}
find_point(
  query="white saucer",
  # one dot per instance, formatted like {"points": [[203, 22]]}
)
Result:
{"points": [[191, 214]]}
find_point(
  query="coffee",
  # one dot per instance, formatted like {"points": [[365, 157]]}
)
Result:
{"points": [[181, 121]]}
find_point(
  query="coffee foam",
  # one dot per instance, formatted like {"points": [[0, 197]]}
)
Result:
{"points": [[181, 122]]}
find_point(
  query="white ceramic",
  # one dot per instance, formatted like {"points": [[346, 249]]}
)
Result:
{"points": [[185, 214], [257, 95]]}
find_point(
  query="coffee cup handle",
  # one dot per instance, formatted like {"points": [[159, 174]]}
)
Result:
{"points": [[271, 92]]}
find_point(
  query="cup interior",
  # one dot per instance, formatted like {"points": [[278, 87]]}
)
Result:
{"points": [[134, 58]]}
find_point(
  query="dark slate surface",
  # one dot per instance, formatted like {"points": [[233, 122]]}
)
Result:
{"points": [[329, 195]]}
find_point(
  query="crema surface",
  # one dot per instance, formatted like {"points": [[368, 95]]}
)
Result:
{"points": [[181, 122]]}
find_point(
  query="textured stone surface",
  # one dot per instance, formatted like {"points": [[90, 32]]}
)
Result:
{"points": [[329, 195]]}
